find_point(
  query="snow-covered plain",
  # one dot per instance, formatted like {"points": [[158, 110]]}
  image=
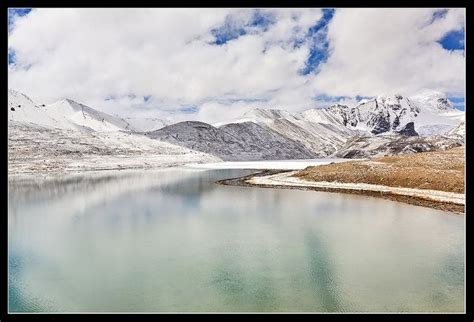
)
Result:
{"points": [[286, 179]]}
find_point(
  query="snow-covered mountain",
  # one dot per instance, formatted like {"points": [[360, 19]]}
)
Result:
{"points": [[68, 114], [318, 131], [69, 136], [234, 141], [261, 116], [64, 114], [66, 130], [335, 114], [384, 114], [437, 113], [458, 131], [431, 113], [327, 131]]}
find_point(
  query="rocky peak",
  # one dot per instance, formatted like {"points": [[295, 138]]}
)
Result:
{"points": [[433, 101], [349, 115]]}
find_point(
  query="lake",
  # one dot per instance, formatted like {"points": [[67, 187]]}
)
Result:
{"points": [[173, 240]]}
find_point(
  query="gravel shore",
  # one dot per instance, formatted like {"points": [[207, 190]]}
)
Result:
{"points": [[429, 179]]}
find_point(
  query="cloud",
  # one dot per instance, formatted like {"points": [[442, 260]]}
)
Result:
{"points": [[91, 54], [376, 51], [221, 61]]}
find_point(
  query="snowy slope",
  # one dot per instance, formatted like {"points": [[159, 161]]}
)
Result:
{"points": [[146, 124], [321, 138], [68, 136], [458, 131], [433, 101], [260, 116], [335, 114], [316, 130], [437, 113], [37, 149], [64, 114], [234, 141]]}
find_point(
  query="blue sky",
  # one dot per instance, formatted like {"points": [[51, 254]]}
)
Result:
{"points": [[319, 48], [14, 13], [458, 102], [299, 56], [233, 28], [453, 40]]}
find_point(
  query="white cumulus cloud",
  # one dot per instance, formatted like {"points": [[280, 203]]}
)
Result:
{"points": [[377, 51], [111, 59]]}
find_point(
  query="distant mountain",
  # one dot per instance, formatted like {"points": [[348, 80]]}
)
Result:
{"points": [[431, 113], [261, 116], [235, 141], [64, 114], [382, 114], [146, 124], [330, 131], [336, 114], [433, 101], [318, 131]]}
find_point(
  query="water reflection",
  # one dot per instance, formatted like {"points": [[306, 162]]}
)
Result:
{"points": [[173, 240]]}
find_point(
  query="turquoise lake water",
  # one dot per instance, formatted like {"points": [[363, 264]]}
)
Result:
{"points": [[174, 241]]}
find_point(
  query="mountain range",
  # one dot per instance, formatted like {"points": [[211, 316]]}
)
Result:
{"points": [[389, 124], [379, 126]]}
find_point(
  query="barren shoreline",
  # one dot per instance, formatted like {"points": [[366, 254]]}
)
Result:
{"points": [[440, 200]]}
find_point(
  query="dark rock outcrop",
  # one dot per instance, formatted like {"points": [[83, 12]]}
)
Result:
{"points": [[408, 130], [379, 123]]}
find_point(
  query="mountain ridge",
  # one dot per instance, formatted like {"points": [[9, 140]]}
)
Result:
{"points": [[233, 141], [269, 134]]}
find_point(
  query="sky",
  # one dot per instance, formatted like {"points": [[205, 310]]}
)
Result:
{"points": [[215, 64]]}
